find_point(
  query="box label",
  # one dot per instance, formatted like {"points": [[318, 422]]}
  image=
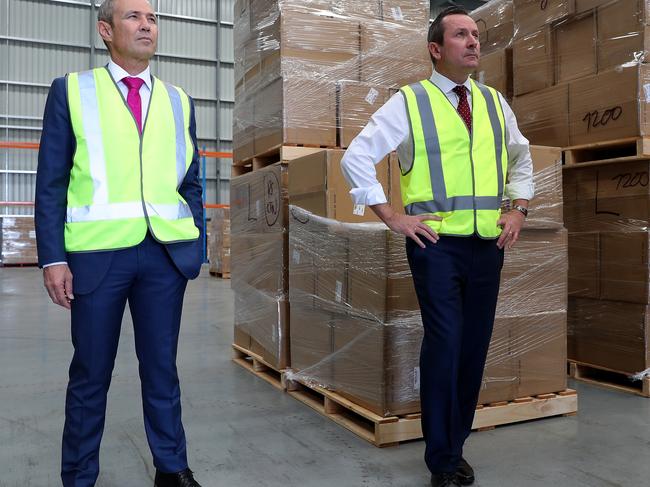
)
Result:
{"points": [[296, 257], [372, 95], [359, 210], [339, 291], [397, 13], [416, 379], [32, 234]]}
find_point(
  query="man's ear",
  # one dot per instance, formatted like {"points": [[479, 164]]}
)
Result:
{"points": [[434, 50], [105, 31]]}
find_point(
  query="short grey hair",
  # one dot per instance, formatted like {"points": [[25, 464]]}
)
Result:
{"points": [[105, 12]]}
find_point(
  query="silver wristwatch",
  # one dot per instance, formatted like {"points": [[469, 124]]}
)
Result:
{"points": [[521, 209]]}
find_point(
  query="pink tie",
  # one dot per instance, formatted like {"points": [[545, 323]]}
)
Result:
{"points": [[133, 98]]}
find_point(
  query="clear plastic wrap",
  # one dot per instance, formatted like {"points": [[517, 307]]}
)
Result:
{"points": [[495, 24], [306, 70], [219, 241], [258, 207], [566, 55], [356, 326], [18, 241]]}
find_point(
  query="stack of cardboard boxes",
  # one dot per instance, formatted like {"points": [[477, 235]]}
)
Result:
{"points": [[306, 74], [17, 241], [355, 320], [566, 56], [219, 242], [607, 214], [312, 73]]}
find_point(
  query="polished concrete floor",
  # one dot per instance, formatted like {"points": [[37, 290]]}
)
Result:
{"points": [[242, 432]]}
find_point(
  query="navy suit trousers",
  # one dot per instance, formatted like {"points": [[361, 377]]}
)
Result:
{"points": [[147, 278], [457, 284]]}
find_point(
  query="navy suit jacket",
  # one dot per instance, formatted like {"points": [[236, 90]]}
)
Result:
{"points": [[52, 179]]}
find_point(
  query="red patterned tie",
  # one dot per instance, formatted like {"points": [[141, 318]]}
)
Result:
{"points": [[463, 106], [133, 98]]}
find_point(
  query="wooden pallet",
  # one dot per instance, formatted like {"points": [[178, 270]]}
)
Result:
{"points": [[390, 431], [608, 378], [618, 150], [257, 366], [222, 275], [284, 153]]}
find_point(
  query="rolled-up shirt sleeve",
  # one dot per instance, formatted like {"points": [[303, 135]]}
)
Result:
{"points": [[520, 164], [386, 130]]}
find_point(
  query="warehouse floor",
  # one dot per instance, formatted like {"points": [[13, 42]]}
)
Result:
{"points": [[243, 432]]}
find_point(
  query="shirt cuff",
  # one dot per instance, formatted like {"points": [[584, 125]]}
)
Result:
{"points": [[54, 263], [372, 195], [520, 191]]}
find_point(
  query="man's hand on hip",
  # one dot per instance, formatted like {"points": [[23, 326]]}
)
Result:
{"points": [[511, 222], [411, 226], [58, 282]]}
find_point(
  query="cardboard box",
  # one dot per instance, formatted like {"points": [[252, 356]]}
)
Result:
{"points": [[316, 183], [575, 48], [295, 111], [495, 24], [545, 209], [622, 113], [609, 334], [496, 71], [219, 241], [582, 6], [259, 219], [376, 364], [18, 240], [607, 197], [393, 55], [584, 264], [534, 275], [624, 269], [543, 116], [356, 102], [527, 356], [530, 15], [532, 57], [622, 33], [413, 13], [380, 283]]}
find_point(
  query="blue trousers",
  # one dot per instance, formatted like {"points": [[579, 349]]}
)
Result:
{"points": [[146, 277], [457, 284]]}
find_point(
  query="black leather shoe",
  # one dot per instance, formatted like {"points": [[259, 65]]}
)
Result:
{"points": [[443, 479], [178, 479], [464, 473]]}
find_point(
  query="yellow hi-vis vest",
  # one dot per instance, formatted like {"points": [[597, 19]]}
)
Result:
{"points": [[455, 175], [122, 183]]}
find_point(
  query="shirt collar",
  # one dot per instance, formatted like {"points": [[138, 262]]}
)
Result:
{"points": [[445, 84], [118, 73]]}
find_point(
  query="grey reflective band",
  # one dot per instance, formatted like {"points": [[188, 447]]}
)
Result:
{"points": [[431, 142], [440, 202], [177, 110], [498, 134], [124, 211], [93, 134], [455, 203]]}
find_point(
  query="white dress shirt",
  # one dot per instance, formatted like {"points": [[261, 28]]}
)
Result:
{"points": [[118, 73], [388, 130]]}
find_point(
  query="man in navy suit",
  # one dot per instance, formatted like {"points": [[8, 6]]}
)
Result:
{"points": [[119, 210]]}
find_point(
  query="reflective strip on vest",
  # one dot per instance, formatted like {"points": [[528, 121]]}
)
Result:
{"points": [[441, 202], [93, 132], [177, 109], [118, 211]]}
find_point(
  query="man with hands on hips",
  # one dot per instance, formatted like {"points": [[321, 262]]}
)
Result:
{"points": [[119, 218], [460, 152]]}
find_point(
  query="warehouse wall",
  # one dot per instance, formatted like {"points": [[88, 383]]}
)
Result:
{"points": [[40, 40]]}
